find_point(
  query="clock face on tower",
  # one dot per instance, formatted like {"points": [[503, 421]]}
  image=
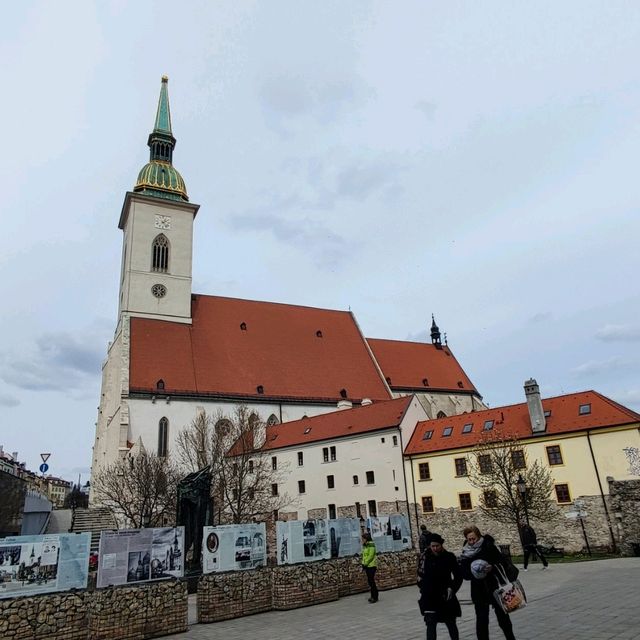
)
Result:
{"points": [[163, 222]]}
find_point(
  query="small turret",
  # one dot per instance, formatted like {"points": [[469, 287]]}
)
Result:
{"points": [[435, 334]]}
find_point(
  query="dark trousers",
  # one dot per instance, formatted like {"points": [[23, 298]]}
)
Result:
{"points": [[533, 550], [431, 620], [482, 622], [371, 579]]}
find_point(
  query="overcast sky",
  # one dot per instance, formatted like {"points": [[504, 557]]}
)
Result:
{"points": [[477, 160]]}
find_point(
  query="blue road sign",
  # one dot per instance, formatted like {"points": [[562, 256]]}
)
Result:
{"points": [[44, 467]]}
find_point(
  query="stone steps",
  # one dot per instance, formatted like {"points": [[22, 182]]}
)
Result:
{"points": [[93, 520]]}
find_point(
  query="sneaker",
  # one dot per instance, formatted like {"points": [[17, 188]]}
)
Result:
{"points": [[525, 569], [546, 566], [372, 601]]}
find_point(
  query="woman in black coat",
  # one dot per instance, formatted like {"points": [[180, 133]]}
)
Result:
{"points": [[439, 581], [478, 547]]}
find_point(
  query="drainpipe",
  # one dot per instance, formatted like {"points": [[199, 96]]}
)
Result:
{"points": [[604, 501], [413, 485], [404, 476]]}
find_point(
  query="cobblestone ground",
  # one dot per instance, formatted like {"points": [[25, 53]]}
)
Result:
{"points": [[578, 601]]}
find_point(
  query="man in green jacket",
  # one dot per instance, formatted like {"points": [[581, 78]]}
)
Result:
{"points": [[370, 564]]}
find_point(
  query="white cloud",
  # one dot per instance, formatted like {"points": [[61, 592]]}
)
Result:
{"points": [[619, 333]]}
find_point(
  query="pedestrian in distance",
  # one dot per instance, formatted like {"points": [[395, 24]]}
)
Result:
{"points": [[530, 545], [440, 578], [370, 564], [425, 538], [480, 562]]}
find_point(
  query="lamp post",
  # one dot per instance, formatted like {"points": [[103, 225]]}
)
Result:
{"points": [[521, 485]]}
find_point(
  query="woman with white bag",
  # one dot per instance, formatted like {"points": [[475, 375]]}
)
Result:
{"points": [[482, 563]]}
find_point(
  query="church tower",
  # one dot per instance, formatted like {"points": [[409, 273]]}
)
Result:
{"points": [[157, 221]]}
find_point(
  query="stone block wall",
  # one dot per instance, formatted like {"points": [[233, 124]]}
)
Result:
{"points": [[233, 594], [238, 593], [625, 510], [138, 612], [54, 617], [117, 613], [559, 531]]}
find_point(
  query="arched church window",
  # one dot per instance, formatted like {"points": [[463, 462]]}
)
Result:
{"points": [[441, 414], [272, 420], [223, 426], [163, 437], [160, 254]]}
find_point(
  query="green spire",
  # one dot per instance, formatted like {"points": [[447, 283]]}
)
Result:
{"points": [[163, 117], [158, 177], [161, 140]]}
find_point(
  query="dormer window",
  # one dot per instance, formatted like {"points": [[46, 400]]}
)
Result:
{"points": [[547, 413], [160, 385], [468, 428], [585, 409], [243, 326], [447, 431], [427, 435], [343, 393], [488, 425]]}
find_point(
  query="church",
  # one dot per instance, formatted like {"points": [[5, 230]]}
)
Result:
{"points": [[176, 352]]}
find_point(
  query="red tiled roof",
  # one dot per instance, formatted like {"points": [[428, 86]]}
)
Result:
{"points": [[409, 364], [279, 350], [347, 422], [513, 421]]}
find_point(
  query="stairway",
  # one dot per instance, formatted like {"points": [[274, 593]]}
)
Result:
{"points": [[93, 520]]}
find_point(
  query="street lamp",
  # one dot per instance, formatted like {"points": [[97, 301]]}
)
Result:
{"points": [[521, 485]]}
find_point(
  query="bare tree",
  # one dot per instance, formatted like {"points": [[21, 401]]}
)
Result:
{"points": [[246, 482], [495, 466], [140, 489]]}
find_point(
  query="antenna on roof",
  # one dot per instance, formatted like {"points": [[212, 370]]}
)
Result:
{"points": [[446, 344]]}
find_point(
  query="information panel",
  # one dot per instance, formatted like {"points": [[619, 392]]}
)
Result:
{"points": [[345, 538], [140, 555], [41, 564], [390, 533], [233, 546], [302, 541]]}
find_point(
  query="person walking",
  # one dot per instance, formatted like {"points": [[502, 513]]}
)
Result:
{"points": [[425, 538], [439, 580], [370, 564], [479, 562], [530, 545]]}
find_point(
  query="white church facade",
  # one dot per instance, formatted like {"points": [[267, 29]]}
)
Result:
{"points": [[175, 352]]}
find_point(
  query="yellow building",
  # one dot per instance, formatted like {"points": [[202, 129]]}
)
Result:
{"points": [[584, 439]]}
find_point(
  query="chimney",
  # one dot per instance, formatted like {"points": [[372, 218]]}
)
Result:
{"points": [[15, 456], [534, 404]]}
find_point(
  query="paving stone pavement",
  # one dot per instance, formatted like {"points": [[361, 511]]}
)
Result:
{"points": [[597, 600]]}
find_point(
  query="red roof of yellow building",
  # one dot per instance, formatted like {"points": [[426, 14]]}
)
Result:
{"points": [[513, 421]]}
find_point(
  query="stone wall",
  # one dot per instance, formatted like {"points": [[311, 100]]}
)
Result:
{"points": [[54, 617], [625, 508], [559, 531], [115, 613], [138, 612], [238, 593]]}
